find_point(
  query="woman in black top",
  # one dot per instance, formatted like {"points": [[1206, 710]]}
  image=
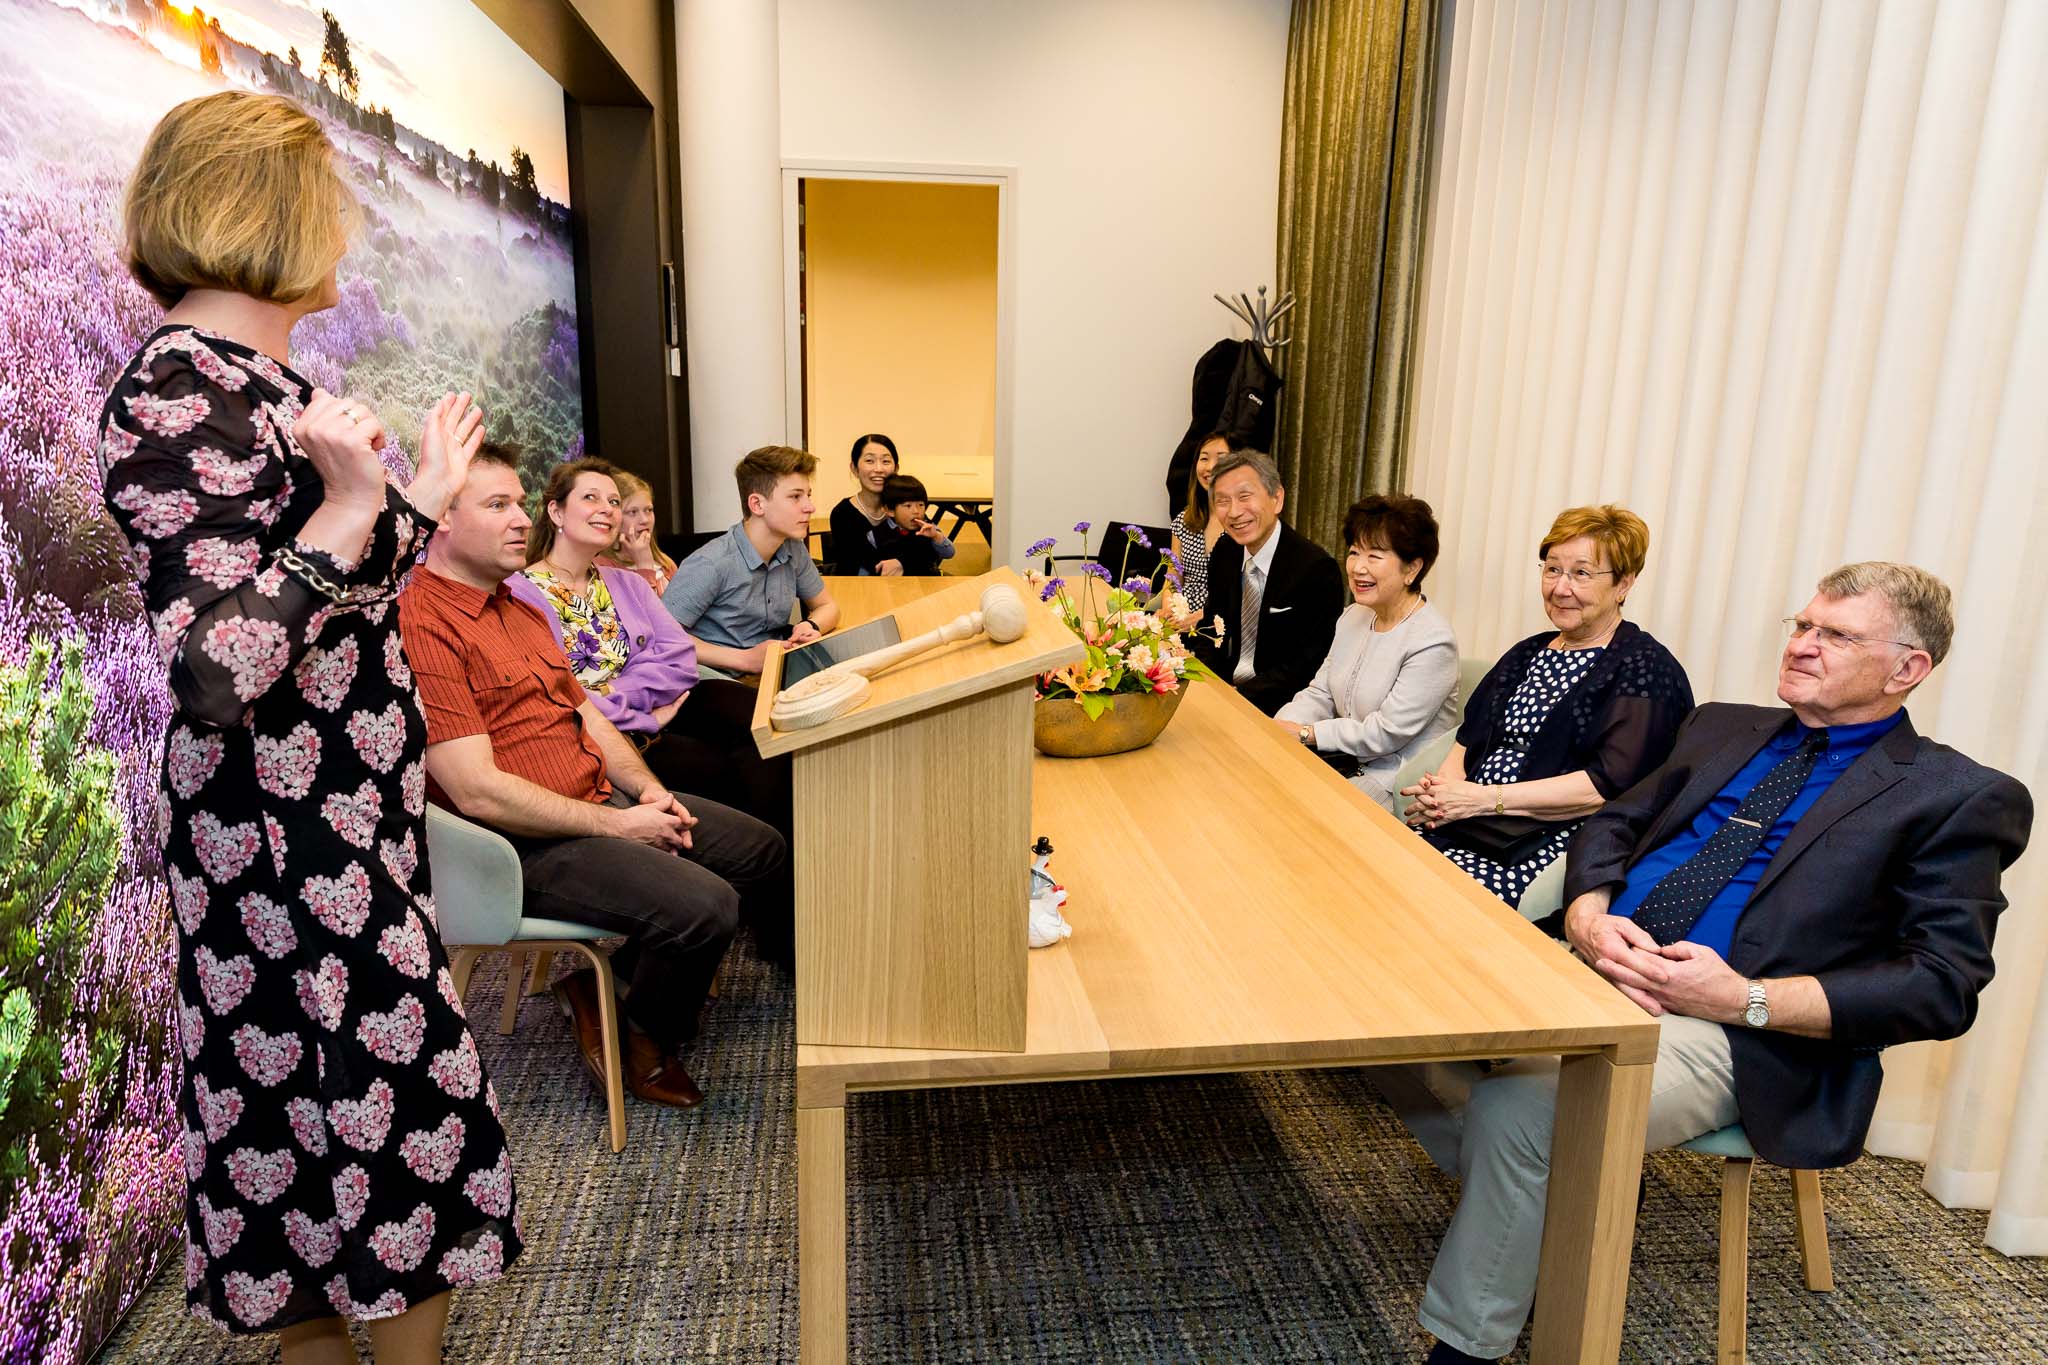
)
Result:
{"points": [[1567, 719], [855, 518]]}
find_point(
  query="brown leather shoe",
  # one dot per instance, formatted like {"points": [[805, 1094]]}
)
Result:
{"points": [[576, 993], [654, 1076]]}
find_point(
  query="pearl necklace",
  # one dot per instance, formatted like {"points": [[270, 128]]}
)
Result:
{"points": [[1413, 607]]}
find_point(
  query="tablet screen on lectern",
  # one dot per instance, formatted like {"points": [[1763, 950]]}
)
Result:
{"points": [[799, 664]]}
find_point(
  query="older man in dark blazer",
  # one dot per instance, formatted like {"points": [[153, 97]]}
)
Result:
{"points": [[1293, 587], [1791, 892]]}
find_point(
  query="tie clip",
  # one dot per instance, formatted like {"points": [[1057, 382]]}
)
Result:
{"points": [[1753, 824]]}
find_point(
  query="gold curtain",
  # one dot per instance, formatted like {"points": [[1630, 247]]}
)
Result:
{"points": [[1354, 153]]}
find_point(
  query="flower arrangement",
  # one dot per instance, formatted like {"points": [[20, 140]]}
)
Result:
{"points": [[1134, 641]]}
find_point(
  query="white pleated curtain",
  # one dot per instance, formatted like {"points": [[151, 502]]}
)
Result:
{"points": [[1775, 275]]}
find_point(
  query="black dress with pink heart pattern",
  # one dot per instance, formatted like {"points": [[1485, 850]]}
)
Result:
{"points": [[342, 1144]]}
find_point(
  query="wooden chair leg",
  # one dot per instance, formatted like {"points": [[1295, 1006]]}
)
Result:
{"points": [[543, 965], [1735, 1173], [1813, 1232], [608, 1019], [461, 962], [509, 1016]]}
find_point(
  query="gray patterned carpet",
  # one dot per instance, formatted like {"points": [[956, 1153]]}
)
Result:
{"points": [[1258, 1218]]}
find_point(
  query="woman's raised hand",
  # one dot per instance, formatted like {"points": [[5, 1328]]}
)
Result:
{"points": [[342, 436], [449, 437]]}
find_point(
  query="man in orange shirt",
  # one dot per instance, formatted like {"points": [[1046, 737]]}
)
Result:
{"points": [[514, 743]]}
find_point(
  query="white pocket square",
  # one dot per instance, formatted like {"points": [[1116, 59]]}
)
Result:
{"points": [[1275, 611]]}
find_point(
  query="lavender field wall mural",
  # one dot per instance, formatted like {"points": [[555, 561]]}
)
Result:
{"points": [[460, 278]]}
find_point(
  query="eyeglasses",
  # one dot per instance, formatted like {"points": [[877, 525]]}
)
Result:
{"points": [[1581, 578], [1830, 638]]}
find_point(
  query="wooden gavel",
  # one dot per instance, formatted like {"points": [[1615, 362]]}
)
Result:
{"points": [[834, 691]]}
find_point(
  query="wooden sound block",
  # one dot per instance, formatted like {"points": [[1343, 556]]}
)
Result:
{"points": [[817, 699]]}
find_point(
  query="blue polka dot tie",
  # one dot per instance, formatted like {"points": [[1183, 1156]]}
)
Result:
{"points": [[1676, 903]]}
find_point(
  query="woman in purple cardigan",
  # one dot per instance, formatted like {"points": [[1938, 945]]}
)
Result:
{"points": [[634, 660]]}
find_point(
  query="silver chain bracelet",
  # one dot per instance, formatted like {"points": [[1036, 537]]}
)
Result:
{"points": [[298, 568]]}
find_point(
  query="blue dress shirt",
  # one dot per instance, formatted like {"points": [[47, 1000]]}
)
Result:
{"points": [[1716, 927], [727, 594]]}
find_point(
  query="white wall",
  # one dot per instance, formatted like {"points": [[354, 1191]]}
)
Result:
{"points": [[1146, 136], [732, 240]]}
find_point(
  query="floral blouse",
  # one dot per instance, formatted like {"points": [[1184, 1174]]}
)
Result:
{"points": [[592, 637]]}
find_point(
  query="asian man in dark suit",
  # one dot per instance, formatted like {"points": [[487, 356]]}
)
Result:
{"points": [[1297, 588], [1794, 890]]}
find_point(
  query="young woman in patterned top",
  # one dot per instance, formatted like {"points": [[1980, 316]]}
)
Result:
{"points": [[1197, 529], [635, 661]]}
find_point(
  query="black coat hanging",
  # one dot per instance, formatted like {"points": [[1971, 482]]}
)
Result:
{"points": [[1233, 393]]}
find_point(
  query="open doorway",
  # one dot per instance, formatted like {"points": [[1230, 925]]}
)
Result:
{"points": [[896, 324]]}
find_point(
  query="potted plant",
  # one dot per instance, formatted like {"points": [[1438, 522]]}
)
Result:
{"points": [[1121, 696]]}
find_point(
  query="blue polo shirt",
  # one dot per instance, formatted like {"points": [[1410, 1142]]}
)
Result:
{"points": [[727, 594], [1716, 927]]}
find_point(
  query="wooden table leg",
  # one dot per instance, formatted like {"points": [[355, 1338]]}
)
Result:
{"points": [[821, 1235], [1596, 1160]]}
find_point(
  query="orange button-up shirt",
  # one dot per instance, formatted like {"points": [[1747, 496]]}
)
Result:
{"points": [[488, 664]]}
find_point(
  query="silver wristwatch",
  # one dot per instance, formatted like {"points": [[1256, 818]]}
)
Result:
{"points": [[1758, 1015]]}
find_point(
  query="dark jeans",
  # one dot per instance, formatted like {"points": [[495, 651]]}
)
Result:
{"points": [[708, 751], [677, 911]]}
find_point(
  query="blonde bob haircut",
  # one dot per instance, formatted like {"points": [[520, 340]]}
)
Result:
{"points": [[237, 191], [1619, 532]]}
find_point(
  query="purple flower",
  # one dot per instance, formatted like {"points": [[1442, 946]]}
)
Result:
{"points": [[1137, 533], [1052, 586], [1082, 527], [1039, 547], [1138, 586], [1094, 570]]}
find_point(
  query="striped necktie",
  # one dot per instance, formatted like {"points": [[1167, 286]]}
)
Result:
{"points": [[1676, 903], [1248, 624]]}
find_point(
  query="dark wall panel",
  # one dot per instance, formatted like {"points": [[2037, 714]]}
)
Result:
{"points": [[630, 398]]}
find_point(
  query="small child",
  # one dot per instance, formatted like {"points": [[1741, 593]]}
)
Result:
{"points": [[906, 536]]}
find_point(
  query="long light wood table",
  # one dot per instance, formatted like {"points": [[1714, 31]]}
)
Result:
{"points": [[1268, 917]]}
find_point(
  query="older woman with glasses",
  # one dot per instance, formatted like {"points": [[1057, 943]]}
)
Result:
{"points": [[1567, 719]]}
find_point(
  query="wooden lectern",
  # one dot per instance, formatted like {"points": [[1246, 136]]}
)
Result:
{"points": [[913, 837]]}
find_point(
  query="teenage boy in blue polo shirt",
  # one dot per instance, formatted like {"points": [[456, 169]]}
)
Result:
{"points": [[736, 593]]}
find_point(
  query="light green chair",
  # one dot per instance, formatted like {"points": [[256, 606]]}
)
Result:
{"points": [[1738, 1158], [479, 897], [1431, 755]]}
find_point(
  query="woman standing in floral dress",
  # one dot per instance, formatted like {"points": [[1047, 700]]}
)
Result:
{"points": [[342, 1146]]}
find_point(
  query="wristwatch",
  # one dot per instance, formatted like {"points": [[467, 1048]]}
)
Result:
{"points": [[1758, 1015], [1307, 736]]}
